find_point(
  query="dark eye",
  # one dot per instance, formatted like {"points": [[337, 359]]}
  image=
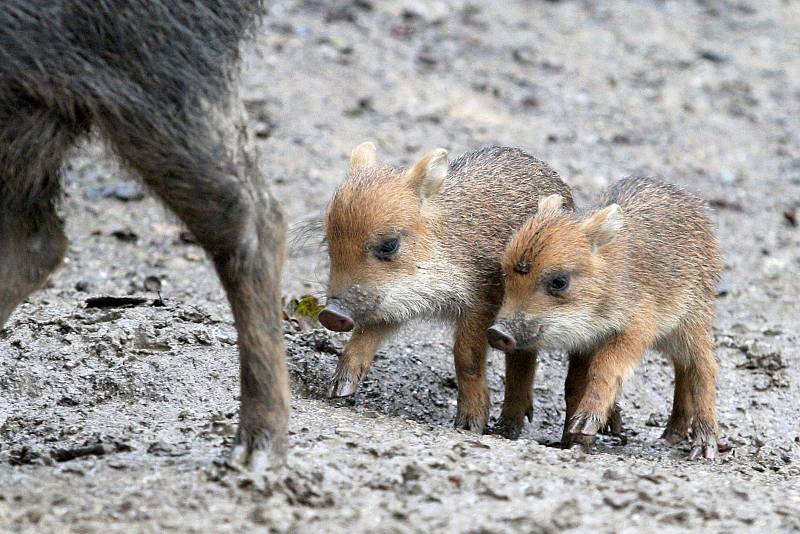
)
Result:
{"points": [[387, 248], [558, 284], [522, 267]]}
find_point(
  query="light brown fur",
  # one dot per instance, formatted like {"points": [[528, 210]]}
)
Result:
{"points": [[642, 270], [453, 220]]}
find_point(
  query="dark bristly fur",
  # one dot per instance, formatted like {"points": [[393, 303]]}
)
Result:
{"points": [[156, 79]]}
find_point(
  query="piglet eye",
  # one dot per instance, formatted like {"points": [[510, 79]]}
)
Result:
{"points": [[558, 284], [387, 248]]}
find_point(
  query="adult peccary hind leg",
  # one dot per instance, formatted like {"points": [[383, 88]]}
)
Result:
{"points": [[205, 170], [33, 142]]}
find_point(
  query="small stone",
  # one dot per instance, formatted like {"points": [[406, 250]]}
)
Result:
{"points": [[152, 283], [790, 217], [126, 191], [773, 267], [126, 235], [713, 56], [724, 287], [411, 472], [654, 420], [82, 286], [524, 55]]}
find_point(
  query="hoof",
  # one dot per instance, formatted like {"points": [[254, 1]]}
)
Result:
{"points": [[344, 384], [510, 426], [258, 452], [704, 444], [708, 452], [613, 426], [476, 424], [673, 436], [582, 430]]}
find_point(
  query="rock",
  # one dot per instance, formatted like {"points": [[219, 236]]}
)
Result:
{"points": [[82, 286], [761, 356], [654, 420], [412, 472], [524, 55], [152, 283], [126, 191], [773, 268], [126, 235], [790, 216], [713, 56], [724, 287], [342, 13]]}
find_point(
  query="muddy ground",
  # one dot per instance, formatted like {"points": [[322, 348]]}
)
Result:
{"points": [[704, 93]]}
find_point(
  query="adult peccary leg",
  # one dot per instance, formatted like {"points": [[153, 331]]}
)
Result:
{"points": [[33, 142], [200, 162]]}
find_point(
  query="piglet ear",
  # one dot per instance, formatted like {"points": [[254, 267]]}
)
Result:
{"points": [[551, 205], [364, 155], [602, 226], [427, 175]]}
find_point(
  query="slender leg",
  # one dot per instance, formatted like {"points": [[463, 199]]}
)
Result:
{"points": [[33, 142], [357, 359], [518, 401], [574, 386], [691, 348], [605, 373], [680, 419], [470, 362], [204, 168]]}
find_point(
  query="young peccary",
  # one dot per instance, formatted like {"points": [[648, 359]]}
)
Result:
{"points": [[424, 242], [156, 79], [639, 271]]}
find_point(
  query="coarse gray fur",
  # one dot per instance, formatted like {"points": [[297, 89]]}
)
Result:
{"points": [[155, 79]]}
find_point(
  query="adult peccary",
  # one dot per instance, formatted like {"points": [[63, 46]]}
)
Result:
{"points": [[156, 79]]}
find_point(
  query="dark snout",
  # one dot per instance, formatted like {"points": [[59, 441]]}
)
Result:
{"points": [[335, 317], [501, 338]]}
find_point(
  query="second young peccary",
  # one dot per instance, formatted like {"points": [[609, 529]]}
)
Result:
{"points": [[155, 79], [638, 271], [426, 241]]}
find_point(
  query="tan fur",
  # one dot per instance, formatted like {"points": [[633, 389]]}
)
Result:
{"points": [[364, 155], [453, 220], [642, 269], [428, 174]]}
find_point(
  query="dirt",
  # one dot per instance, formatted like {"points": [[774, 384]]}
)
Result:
{"points": [[116, 415]]}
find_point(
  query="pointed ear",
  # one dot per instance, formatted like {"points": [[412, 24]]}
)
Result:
{"points": [[427, 175], [602, 227], [364, 155], [551, 205]]}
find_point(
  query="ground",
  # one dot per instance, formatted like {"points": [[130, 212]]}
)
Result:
{"points": [[703, 93]]}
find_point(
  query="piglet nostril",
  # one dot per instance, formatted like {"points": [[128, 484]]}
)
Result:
{"points": [[334, 318], [500, 338]]}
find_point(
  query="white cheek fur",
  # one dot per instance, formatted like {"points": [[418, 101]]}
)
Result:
{"points": [[574, 330], [435, 290]]}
